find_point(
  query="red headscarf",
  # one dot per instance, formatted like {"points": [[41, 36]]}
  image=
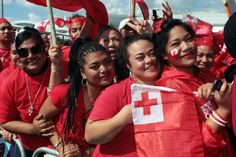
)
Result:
{"points": [[79, 19], [2, 20], [207, 40]]}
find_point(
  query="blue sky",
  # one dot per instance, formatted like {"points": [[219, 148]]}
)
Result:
{"points": [[22, 10]]}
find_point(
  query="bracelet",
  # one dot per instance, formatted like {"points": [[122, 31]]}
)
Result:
{"points": [[57, 144], [216, 121], [218, 117]]}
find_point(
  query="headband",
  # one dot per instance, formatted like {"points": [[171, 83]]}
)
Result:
{"points": [[80, 19]]}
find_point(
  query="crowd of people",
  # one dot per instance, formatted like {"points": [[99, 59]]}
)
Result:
{"points": [[77, 99]]}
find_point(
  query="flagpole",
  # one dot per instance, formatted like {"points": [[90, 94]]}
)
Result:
{"points": [[133, 4], [51, 19], [2, 9]]}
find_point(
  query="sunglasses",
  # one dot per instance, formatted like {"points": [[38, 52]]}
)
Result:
{"points": [[24, 52]]}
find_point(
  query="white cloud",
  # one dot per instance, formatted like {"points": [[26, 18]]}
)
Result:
{"points": [[33, 17]]}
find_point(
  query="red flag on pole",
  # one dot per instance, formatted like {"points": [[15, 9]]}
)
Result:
{"points": [[164, 123], [94, 8], [144, 9]]}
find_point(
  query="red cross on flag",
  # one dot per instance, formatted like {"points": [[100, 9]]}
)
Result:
{"points": [[166, 122], [146, 105]]}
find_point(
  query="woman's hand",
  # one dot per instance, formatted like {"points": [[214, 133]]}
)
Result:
{"points": [[223, 99], [55, 55], [167, 11], [205, 90], [69, 150], [141, 27], [42, 127]]}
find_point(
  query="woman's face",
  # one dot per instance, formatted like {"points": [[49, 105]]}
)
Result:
{"points": [[33, 62], [110, 39], [143, 63], [98, 69], [75, 30], [181, 51], [205, 57]]}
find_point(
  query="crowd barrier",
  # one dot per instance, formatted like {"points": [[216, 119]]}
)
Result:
{"points": [[47, 151], [16, 149]]}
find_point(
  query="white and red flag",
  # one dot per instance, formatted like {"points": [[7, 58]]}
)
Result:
{"points": [[165, 122]]}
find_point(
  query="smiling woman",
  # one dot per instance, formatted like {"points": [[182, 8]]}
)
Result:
{"points": [[181, 74]]}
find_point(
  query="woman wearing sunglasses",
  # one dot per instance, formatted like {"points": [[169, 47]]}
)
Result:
{"points": [[72, 102], [110, 122], [207, 122], [26, 88]]}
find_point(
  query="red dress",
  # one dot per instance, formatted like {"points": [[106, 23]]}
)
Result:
{"points": [[214, 145], [107, 105], [58, 95], [15, 103]]}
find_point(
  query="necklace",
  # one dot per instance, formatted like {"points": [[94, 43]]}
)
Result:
{"points": [[31, 108]]}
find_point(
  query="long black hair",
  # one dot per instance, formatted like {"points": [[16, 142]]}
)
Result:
{"points": [[79, 50]]}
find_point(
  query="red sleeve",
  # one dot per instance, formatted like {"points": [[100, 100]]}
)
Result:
{"points": [[234, 105], [106, 105], [58, 95], [8, 108], [212, 141]]}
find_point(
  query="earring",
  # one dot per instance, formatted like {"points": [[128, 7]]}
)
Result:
{"points": [[84, 82], [115, 79], [130, 74]]}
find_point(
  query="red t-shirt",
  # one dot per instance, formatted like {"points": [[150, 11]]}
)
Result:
{"points": [[14, 102], [107, 105], [5, 58], [58, 97], [6, 72]]}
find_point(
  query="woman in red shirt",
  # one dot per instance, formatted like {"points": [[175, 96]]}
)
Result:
{"points": [[177, 46], [110, 122], [71, 103]]}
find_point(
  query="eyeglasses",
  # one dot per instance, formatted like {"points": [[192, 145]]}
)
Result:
{"points": [[24, 52]]}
